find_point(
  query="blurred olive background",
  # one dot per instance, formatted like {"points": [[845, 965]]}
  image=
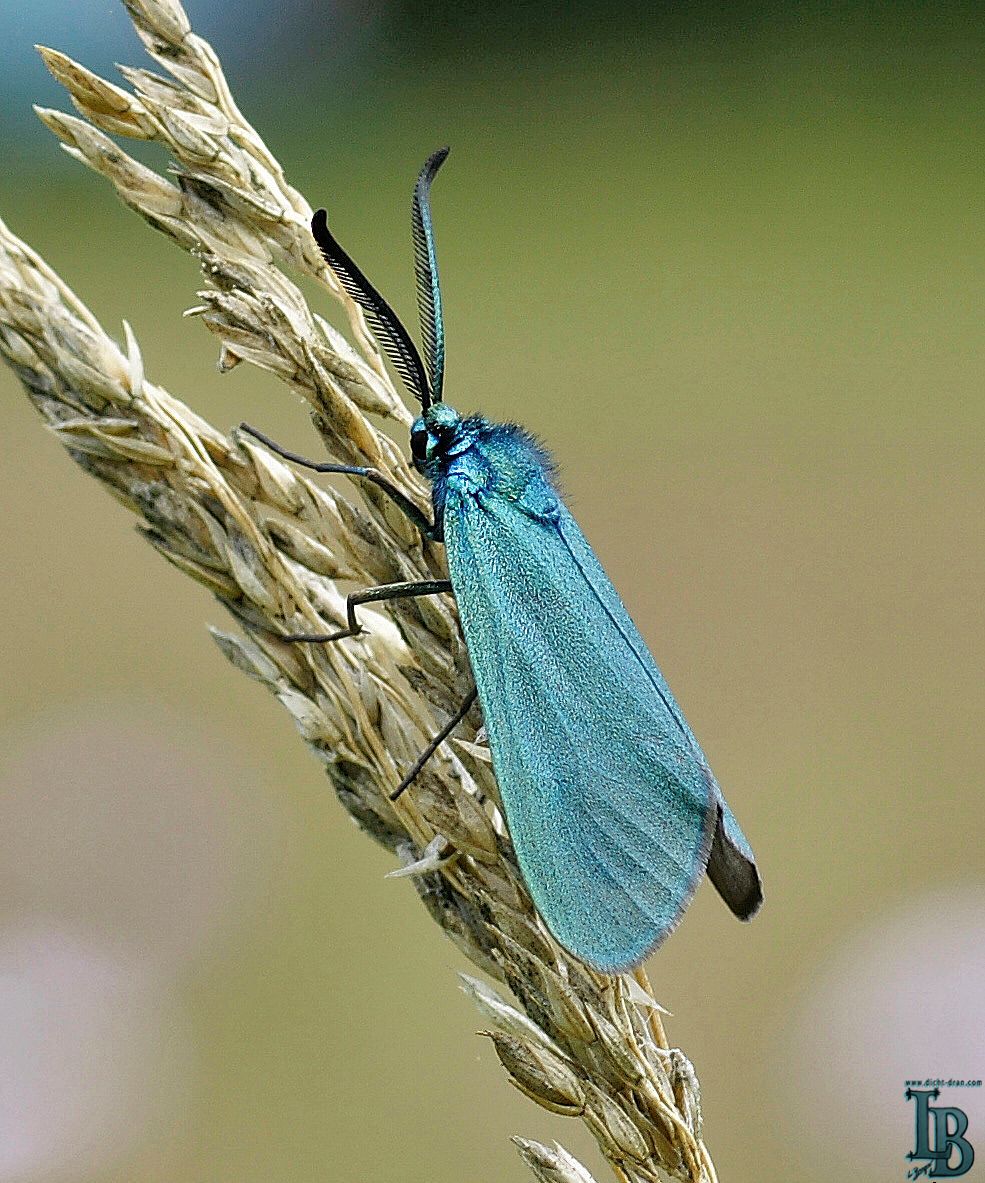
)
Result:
{"points": [[729, 262]]}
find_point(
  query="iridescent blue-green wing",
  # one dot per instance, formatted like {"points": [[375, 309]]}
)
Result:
{"points": [[610, 810], [731, 864]]}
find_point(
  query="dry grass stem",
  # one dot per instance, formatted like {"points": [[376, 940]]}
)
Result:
{"points": [[274, 548]]}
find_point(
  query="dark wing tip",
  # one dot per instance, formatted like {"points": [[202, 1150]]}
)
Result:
{"points": [[734, 874]]}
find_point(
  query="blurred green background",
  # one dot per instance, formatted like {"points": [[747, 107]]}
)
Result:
{"points": [[729, 262]]}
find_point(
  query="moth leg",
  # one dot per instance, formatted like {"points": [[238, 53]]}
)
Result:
{"points": [[435, 743], [371, 595], [373, 475]]}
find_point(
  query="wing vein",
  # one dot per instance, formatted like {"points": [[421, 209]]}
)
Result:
{"points": [[644, 666]]}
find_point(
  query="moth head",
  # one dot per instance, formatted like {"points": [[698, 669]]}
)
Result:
{"points": [[434, 435]]}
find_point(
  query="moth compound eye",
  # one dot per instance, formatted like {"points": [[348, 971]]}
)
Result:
{"points": [[419, 445]]}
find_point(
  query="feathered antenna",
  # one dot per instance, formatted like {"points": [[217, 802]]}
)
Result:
{"points": [[426, 268], [394, 338]]}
